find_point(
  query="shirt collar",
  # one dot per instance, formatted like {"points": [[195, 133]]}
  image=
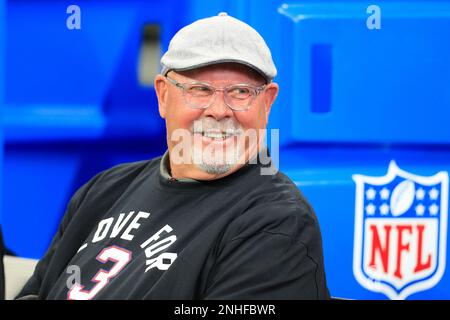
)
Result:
{"points": [[164, 168]]}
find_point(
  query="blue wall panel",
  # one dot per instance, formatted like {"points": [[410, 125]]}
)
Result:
{"points": [[2, 92], [74, 82], [74, 105], [382, 81]]}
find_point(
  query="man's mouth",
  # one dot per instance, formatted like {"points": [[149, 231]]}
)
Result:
{"points": [[217, 135]]}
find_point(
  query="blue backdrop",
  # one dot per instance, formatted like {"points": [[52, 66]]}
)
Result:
{"points": [[352, 100]]}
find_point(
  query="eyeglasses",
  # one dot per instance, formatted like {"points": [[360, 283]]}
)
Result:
{"points": [[238, 97]]}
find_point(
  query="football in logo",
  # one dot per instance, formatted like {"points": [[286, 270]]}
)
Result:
{"points": [[402, 197]]}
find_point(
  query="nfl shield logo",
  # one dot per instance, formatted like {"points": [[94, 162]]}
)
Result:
{"points": [[400, 231]]}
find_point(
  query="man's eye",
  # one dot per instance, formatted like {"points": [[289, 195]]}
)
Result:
{"points": [[240, 92], [200, 90]]}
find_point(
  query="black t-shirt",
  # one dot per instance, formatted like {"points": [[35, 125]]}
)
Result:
{"points": [[130, 233]]}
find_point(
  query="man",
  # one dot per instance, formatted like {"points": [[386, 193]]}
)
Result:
{"points": [[205, 221]]}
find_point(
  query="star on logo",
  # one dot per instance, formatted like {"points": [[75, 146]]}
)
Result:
{"points": [[433, 193], [420, 209], [420, 194], [370, 194], [384, 193], [384, 209], [370, 209], [433, 209]]}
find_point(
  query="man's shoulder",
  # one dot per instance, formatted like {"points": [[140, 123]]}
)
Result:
{"points": [[130, 169], [281, 190], [118, 178], [274, 205]]}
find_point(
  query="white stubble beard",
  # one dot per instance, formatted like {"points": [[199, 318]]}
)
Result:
{"points": [[214, 159]]}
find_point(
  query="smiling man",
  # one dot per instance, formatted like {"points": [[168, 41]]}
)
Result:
{"points": [[203, 221], [225, 130]]}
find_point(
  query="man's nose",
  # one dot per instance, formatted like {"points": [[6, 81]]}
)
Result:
{"points": [[218, 108]]}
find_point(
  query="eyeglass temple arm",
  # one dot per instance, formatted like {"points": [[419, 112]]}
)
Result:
{"points": [[175, 83]]}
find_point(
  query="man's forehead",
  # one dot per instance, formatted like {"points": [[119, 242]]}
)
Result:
{"points": [[223, 72]]}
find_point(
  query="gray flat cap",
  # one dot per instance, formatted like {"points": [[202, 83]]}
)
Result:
{"points": [[218, 39]]}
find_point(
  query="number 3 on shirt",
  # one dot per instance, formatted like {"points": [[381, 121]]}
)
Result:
{"points": [[120, 256]]}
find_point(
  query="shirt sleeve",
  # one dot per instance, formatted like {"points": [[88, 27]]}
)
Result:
{"points": [[33, 285], [269, 264]]}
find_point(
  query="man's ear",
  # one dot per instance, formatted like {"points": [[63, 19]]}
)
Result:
{"points": [[161, 92], [270, 95]]}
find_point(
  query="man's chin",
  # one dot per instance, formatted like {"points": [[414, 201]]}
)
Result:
{"points": [[217, 164], [216, 169]]}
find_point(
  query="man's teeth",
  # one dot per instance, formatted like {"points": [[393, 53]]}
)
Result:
{"points": [[217, 135]]}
